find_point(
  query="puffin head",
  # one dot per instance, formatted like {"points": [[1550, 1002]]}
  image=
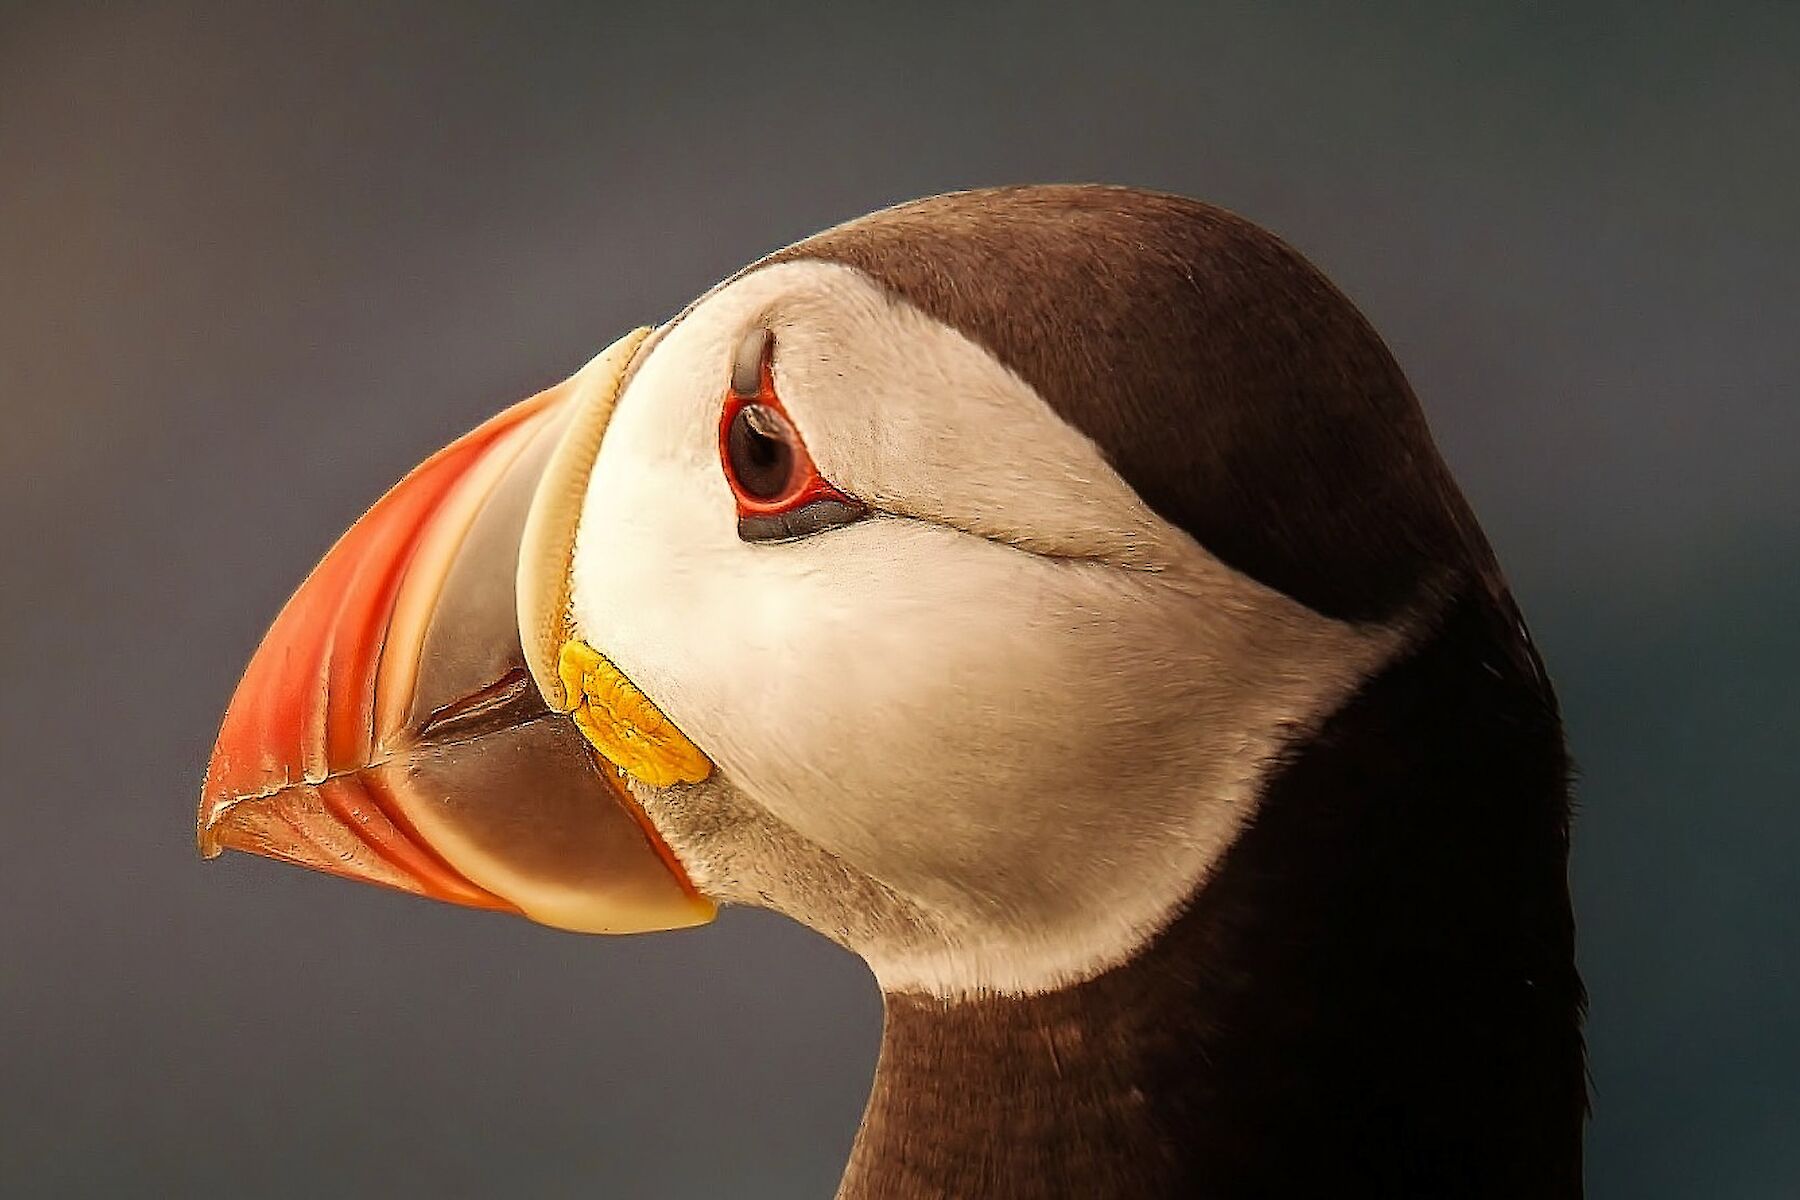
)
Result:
{"points": [[953, 582]]}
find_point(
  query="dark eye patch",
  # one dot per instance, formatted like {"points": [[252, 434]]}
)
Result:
{"points": [[800, 522]]}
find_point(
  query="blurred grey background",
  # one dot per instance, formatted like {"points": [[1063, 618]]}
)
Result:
{"points": [[256, 261]]}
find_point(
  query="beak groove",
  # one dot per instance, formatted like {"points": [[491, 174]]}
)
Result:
{"points": [[340, 825]]}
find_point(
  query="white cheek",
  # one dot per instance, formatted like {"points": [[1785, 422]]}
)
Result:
{"points": [[946, 713], [1044, 754], [877, 687], [895, 682]]}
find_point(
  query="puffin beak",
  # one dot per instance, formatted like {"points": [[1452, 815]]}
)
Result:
{"points": [[392, 728]]}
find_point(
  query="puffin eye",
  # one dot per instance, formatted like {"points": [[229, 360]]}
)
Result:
{"points": [[780, 493], [760, 450]]}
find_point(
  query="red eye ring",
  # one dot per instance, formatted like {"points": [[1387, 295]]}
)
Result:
{"points": [[779, 491]]}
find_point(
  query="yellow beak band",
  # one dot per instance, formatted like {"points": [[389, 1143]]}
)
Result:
{"points": [[625, 727]]}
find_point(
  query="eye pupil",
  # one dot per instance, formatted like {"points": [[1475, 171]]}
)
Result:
{"points": [[760, 445]]}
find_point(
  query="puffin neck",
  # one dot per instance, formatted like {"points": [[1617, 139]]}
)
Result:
{"points": [[1373, 995]]}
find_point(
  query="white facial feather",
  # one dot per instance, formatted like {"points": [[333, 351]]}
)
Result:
{"points": [[991, 736]]}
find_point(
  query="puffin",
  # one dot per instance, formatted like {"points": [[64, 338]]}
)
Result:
{"points": [[1053, 595]]}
